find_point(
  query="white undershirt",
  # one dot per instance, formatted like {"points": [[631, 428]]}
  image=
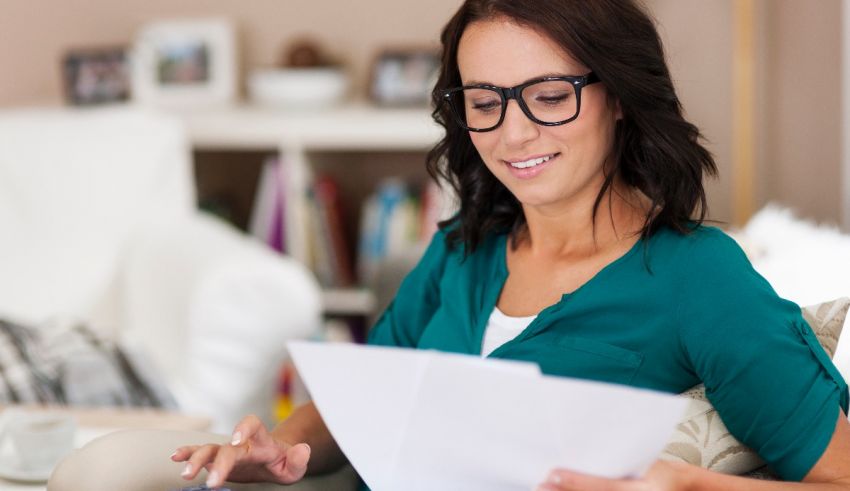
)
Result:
{"points": [[501, 329]]}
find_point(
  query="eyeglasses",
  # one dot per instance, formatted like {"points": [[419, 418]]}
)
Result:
{"points": [[548, 101]]}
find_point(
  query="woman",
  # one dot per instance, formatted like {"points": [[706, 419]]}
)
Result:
{"points": [[579, 246]]}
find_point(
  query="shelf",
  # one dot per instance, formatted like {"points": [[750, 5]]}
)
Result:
{"points": [[355, 126], [348, 301], [311, 140]]}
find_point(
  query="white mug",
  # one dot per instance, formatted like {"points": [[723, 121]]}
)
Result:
{"points": [[40, 439]]}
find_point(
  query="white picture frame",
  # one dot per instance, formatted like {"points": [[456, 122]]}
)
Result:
{"points": [[404, 76], [185, 63]]}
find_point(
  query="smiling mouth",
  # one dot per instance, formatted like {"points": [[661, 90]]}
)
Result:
{"points": [[532, 162]]}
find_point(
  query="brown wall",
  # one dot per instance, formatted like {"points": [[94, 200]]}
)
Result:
{"points": [[803, 107], [798, 67], [35, 33], [698, 38], [797, 142]]}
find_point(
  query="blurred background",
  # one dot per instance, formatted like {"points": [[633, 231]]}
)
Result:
{"points": [[199, 181], [791, 50]]}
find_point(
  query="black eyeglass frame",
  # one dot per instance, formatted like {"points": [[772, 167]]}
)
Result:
{"points": [[508, 93]]}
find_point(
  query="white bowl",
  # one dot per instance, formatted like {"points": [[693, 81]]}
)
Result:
{"points": [[298, 87]]}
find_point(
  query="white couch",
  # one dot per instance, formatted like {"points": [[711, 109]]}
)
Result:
{"points": [[99, 223]]}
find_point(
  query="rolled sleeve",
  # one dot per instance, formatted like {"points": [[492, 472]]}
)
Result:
{"points": [[797, 445]]}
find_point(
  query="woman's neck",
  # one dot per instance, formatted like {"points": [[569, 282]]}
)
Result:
{"points": [[577, 231]]}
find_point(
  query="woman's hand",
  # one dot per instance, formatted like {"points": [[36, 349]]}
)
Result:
{"points": [[253, 455], [662, 476]]}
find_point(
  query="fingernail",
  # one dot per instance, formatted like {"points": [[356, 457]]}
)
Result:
{"points": [[212, 479], [554, 478], [237, 437], [172, 455], [186, 470]]}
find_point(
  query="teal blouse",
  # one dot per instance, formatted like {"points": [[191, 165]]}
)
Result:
{"points": [[674, 311]]}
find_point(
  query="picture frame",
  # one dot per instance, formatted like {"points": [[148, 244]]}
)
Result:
{"points": [[404, 76], [96, 75], [185, 63]]}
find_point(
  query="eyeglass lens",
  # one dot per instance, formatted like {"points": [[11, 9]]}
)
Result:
{"points": [[548, 101]]}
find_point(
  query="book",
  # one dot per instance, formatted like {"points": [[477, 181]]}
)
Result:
{"points": [[319, 242], [268, 212], [389, 225], [435, 208], [329, 203]]}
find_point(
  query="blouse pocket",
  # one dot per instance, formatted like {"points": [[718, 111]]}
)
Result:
{"points": [[583, 358]]}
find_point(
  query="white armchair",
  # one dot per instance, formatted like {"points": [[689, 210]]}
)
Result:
{"points": [[98, 220]]}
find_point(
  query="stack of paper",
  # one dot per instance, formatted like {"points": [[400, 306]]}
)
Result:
{"points": [[424, 420]]}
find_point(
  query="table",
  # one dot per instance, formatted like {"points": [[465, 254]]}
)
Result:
{"points": [[96, 422]]}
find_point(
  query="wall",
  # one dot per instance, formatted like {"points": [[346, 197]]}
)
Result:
{"points": [[803, 107], [702, 74], [845, 121], [35, 33], [797, 140]]}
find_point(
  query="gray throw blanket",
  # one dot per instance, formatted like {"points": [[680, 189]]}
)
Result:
{"points": [[70, 365]]}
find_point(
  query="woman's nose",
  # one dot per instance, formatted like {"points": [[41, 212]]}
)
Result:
{"points": [[517, 128]]}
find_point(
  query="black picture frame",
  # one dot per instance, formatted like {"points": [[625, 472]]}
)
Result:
{"points": [[94, 76]]}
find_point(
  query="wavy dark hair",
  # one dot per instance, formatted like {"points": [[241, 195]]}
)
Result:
{"points": [[655, 150]]}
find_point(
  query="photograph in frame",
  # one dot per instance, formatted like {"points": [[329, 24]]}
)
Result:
{"points": [[97, 75], [404, 77], [185, 63]]}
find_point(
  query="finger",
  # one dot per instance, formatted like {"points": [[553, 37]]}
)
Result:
{"points": [[200, 458], [183, 453], [295, 467], [248, 428], [223, 464], [564, 480]]}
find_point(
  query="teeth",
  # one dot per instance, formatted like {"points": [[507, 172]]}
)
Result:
{"points": [[530, 163]]}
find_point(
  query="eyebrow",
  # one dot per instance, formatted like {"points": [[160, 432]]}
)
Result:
{"points": [[544, 75]]}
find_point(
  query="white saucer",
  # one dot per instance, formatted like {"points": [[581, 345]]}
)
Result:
{"points": [[11, 471]]}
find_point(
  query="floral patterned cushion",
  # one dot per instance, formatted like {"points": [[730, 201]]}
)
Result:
{"points": [[702, 439]]}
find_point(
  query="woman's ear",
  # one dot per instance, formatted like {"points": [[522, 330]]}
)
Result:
{"points": [[618, 109]]}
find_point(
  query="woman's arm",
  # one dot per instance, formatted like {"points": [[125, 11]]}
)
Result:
{"points": [[834, 464], [830, 473]]}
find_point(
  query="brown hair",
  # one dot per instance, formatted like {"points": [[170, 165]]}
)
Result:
{"points": [[655, 149]]}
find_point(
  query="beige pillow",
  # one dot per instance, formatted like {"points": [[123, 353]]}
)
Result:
{"points": [[702, 439]]}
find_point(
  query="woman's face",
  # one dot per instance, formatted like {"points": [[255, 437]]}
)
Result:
{"points": [[503, 53]]}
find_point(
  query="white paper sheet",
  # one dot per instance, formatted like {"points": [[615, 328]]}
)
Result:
{"points": [[425, 420]]}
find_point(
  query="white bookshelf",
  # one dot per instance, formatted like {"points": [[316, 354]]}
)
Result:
{"points": [[297, 136], [355, 126]]}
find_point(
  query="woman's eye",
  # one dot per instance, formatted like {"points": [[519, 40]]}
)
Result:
{"points": [[486, 106], [552, 99]]}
